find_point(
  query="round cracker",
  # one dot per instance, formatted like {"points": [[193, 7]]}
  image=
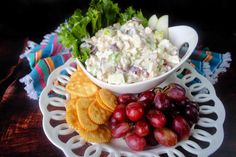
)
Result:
{"points": [[108, 98], [97, 114], [101, 135], [76, 76], [101, 104], [71, 115], [82, 89], [79, 76], [73, 97], [82, 106]]}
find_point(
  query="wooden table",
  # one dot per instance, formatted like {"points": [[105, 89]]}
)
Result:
{"points": [[21, 132]]}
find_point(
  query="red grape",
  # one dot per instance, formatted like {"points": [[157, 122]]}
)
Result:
{"points": [[119, 113], [120, 130], [150, 139], [135, 142], [141, 128], [134, 111], [165, 136], [126, 98], [175, 92], [175, 112], [192, 104], [156, 118], [191, 114], [161, 101], [183, 102], [146, 97], [181, 127], [157, 89], [113, 122]]}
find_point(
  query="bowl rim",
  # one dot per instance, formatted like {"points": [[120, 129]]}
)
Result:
{"points": [[183, 59]]}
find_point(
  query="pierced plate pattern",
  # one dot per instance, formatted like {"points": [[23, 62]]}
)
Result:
{"points": [[206, 136]]}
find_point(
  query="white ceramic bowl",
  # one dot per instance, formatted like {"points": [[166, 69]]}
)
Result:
{"points": [[177, 35]]}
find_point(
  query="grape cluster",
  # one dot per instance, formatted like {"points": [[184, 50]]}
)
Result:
{"points": [[159, 116]]}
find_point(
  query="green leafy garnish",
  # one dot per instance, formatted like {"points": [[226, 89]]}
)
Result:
{"points": [[85, 52], [100, 14], [95, 17], [128, 14], [73, 31], [80, 28], [66, 37], [131, 12], [109, 11], [140, 16]]}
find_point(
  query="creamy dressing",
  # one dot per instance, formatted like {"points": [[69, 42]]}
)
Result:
{"points": [[129, 53]]}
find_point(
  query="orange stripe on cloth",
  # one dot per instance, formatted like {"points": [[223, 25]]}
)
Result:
{"points": [[208, 57], [50, 64], [37, 56]]}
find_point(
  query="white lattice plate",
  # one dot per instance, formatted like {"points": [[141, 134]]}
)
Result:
{"points": [[206, 136]]}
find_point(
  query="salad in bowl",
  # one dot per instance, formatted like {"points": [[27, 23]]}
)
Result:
{"points": [[123, 51], [129, 53]]}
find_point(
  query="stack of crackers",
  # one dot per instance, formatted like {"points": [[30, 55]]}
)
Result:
{"points": [[89, 108]]}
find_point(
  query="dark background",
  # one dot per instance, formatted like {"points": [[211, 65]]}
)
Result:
{"points": [[34, 18], [21, 131]]}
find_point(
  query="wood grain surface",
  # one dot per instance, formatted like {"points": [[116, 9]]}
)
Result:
{"points": [[21, 132]]}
